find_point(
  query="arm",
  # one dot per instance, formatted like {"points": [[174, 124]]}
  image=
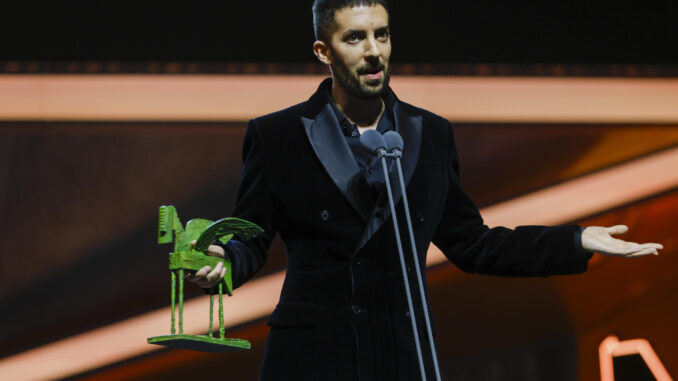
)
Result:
{"points": [[254, 203], [526, 251]]}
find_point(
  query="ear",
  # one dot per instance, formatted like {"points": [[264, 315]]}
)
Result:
{"points": [[322, 51]]}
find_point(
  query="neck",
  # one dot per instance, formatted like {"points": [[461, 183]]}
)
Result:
{"points": [[363, 112]]}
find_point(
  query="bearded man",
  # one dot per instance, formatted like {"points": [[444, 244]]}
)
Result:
{"points": [[342, 313]]}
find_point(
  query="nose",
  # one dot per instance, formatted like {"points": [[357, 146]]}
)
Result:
{"points": [[371, 48]]}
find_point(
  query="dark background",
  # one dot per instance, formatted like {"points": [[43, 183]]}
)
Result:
{"points": [[281, 31]]}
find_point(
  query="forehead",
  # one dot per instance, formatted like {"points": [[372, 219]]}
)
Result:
{"points": [[361, 17]]}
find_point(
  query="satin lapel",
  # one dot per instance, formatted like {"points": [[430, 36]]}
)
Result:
{"points": [[335, 155], [409, 128]]}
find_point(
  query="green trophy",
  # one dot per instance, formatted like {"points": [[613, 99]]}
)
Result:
{"points": [[184, 257]]}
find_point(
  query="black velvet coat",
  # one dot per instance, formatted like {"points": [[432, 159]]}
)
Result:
{"points": [[342, 313]]}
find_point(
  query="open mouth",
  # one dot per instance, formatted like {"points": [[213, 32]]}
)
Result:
{"points": [[373, 73]]}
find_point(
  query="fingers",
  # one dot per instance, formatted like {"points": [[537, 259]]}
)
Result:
{"points": [[202, 272], [213, 250], [634, 249], [207, 277], [617, 229], [656, 246], [643, 252], [198, 275], [645, 249], [214, 277], [216, 251], [215, 274]]}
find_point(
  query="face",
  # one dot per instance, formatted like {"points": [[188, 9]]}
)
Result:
{"points": [[359, 50]]}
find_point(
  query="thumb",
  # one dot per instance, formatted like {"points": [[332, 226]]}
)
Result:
{"points": [[617, 229]]}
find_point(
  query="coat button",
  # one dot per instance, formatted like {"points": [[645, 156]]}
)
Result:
{"points": [[419, 218], [356, 309], [359, 262], [325, 215], [407, 313]]}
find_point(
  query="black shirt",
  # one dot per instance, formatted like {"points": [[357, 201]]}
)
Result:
{"points": [[370, 165]]}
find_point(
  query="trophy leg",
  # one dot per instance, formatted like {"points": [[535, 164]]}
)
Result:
{"points": [[211, 312], [222, 330], [173, 297], [181, 301]]}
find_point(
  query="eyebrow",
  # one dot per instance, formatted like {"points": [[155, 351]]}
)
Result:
{"points": [[351, 31], [362, 31]]}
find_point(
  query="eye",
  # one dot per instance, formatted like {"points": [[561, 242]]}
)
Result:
{"points": [[382, 35], [354, 36]]}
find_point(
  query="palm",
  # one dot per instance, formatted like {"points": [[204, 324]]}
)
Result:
{"points": [[600, 240]]}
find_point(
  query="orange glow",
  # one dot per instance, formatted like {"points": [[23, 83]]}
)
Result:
{"points": [[611, 347], [116, 97]]}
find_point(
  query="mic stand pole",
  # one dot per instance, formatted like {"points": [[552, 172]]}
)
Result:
{"points": [[382, 155], [434, 355]]}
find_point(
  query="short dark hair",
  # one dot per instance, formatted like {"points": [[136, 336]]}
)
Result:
{"points": [[323, 14]]}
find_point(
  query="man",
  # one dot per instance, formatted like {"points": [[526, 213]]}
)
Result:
{"points": [[342, 313]]}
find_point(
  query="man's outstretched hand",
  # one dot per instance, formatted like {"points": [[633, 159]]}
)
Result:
{"points": [[600, 240], [207, 277]]}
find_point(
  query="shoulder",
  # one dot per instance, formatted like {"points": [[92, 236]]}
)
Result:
{"points": [[279, 130], [277, 125], [437, 135], [428, 118], [434, 126], [280, 118], [292, 115]]}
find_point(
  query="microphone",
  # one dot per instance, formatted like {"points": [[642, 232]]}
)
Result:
{"points": [[394, 143], [373, 142]]}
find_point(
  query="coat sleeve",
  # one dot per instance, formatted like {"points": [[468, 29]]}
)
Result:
{"points": [[526, 251], [254, 203]]}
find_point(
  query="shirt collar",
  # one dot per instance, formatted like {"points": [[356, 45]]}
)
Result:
{"points": [[347, 128]]}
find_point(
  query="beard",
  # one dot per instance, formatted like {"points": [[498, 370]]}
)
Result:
{"points": [[350, 81]]}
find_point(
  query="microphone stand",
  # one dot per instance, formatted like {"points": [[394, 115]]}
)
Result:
{"points": [[381, 153], [377, 144], [429, 331]]}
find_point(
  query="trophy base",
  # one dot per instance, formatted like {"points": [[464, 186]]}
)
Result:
{"points": [[200, 343]]}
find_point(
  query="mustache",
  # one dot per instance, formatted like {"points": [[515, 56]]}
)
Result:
{"points": [[370, 68]]}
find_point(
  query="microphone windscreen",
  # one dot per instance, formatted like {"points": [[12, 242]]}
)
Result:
{"points": [[393, 141], [372, 141]]}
